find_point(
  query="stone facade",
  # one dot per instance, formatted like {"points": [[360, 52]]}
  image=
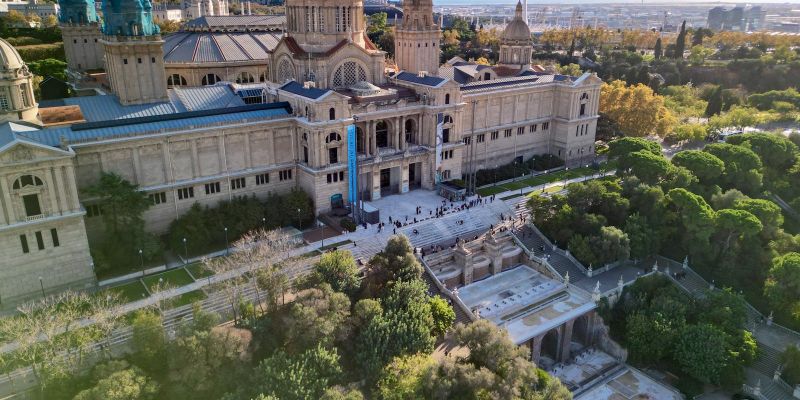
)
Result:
{"points": [[41, 223], [82, 46], [416, 39], [135, 67]]}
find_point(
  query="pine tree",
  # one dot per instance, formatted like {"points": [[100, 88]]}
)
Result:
{"points": [[680, 43], [714, 106], [658, 51]]}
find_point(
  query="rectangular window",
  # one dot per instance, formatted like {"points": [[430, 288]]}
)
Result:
{"points": [[158, 198], [262, 179], [139, 60], [93, 210], [285, 175], [481, 138], [125, 61], [545, 126], [341, 175], [446, 174], [4, 102], [446, 135], [238, 183], [507, 133], [185, 193], [212, 188], [495, 135], [153, 60], [31, 202], [583, 109], [533, 128], [23, 240], [521, 130], [467, 140], [333, 154], [54, 236], [39, 240]]}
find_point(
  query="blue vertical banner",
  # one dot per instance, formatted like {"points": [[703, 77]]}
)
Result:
{"points": [[352, 167], [439, 143]]}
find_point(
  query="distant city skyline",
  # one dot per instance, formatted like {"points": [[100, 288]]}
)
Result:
{"points": [[596, 2]]}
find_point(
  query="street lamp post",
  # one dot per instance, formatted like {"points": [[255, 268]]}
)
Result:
{"points": [[227, 248], [41, 284], [566, 176], [299, 220], [141, 261], [495, 174], [322, 227], [185, 252], [264, 222]]}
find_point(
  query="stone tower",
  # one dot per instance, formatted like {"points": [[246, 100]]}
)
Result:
{"points": [[516, 46], [416, 39], [16, 92], [133, 52], [42, 236], [81, 34]]}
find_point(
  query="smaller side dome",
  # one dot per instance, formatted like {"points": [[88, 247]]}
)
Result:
{"points": [[9, 57], [517, 29]]}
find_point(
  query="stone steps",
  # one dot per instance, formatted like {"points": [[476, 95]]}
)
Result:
{"points": [[767, 361]]}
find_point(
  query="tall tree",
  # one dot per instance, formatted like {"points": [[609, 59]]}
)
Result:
{"points": [[782, 286], [121, 201], [658, 52], [680, 42]]}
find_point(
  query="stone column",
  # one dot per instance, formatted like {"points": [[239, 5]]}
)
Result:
{"points": [[399, 139], [72, 187], [536, 348], [51, 191], [12, 218], [196, 159], [566, 339], [403, 142], [463, 259], [58, 173], [373, 139]]}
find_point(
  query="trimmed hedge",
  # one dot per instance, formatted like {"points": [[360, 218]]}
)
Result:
{"points": [[42, 51], [204, 227]]}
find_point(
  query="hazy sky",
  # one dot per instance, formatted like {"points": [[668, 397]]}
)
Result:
{"points": [[571, 2]]}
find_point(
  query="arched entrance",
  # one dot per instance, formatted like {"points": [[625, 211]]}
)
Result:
{"points": [[581, 334], [548, 355]]}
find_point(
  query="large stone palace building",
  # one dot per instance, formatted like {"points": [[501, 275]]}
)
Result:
{"points": [[222, 109]]}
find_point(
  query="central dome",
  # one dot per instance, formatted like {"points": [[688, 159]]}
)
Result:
{"points": [[517, 29], [9, 58]]}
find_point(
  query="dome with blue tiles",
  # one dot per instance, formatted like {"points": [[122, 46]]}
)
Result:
{"points": [[77, 12]]}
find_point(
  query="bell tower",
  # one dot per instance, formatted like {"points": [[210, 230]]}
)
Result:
{"points": [[133, 52], [81, 33], [416, 39]]}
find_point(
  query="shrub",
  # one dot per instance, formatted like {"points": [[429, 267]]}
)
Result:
{"points": [[348, 223]]}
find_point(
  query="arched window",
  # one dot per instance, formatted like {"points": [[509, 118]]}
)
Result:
{"points": [[332, 114], [487, 76], [348, 74], [176, 80], [448, 119], [210, 79], [285, 71], [447, 98], [584, 100], [333, 137], [26, 181], [245, 77], [262, 78]]}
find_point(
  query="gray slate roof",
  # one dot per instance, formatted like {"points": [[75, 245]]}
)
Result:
{"points": [[139, 126], [427, 80], [232, 21], [105, 108], [209, 47], [298, 89]]}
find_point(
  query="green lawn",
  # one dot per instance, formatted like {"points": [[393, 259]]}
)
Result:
{"points": [[198, 270], [129, 292], [189, 298], [175, 278], [534, 181]]}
